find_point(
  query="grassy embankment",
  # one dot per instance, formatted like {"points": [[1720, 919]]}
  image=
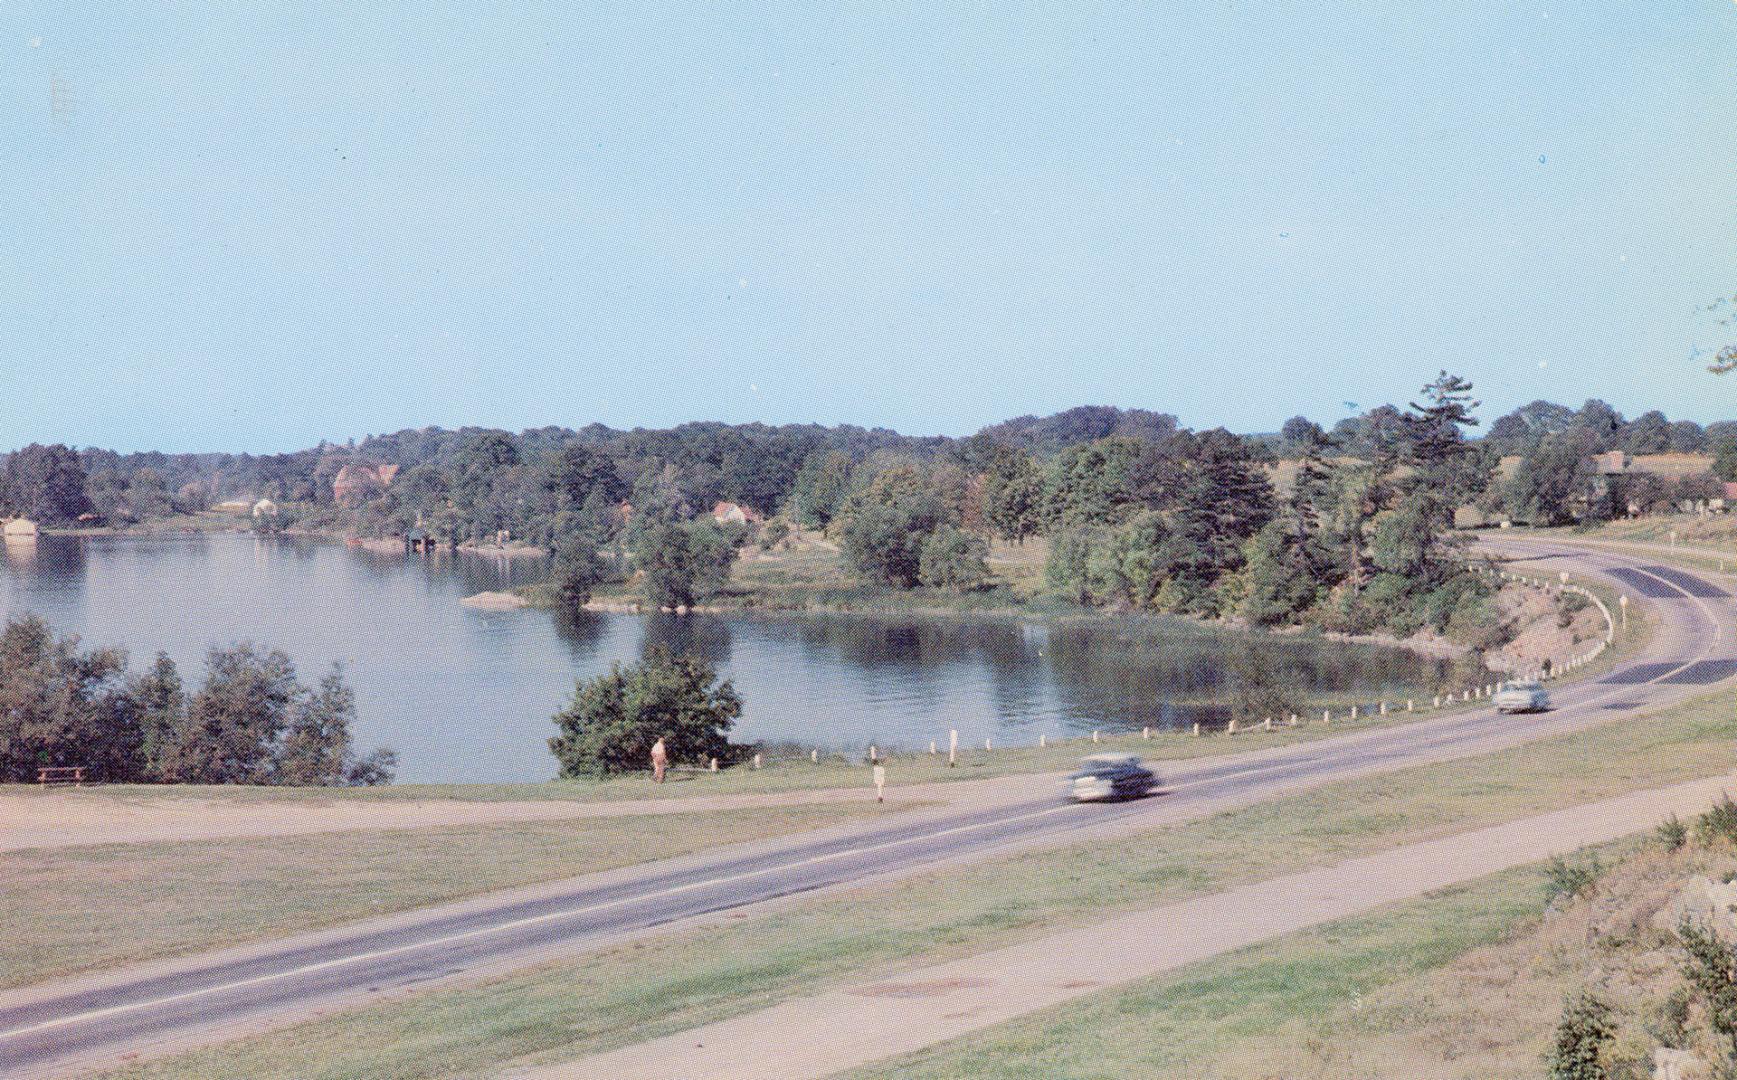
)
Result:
{"points": [[684, 979], [1469, 982], [92, 907]]}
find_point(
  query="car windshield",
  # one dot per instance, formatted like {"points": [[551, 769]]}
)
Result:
{"points": [[1521, 686]]}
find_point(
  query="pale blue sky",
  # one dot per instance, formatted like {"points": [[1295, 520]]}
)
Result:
{"points": [[253, 226]]}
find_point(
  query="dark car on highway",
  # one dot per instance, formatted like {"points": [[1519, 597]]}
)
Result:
{"points": [[1103, 777]]}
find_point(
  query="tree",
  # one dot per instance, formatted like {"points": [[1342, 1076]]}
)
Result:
{"points": [[613, 719], [1687, 437], [885, 524], [575, 471], [60, 706], [1091, 484], [162, 705], [1013, 495], [1277, 585], [953, 559], [1529, 423], [235, 720], [316, 746], [1648, 433], [821, 485], [1552, 480], [578, 570], [46, 483], [683, 564], [1600, 421], [1447, 472]]}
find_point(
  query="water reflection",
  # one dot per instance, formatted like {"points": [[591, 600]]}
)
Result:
{"points": [[466, 694]]}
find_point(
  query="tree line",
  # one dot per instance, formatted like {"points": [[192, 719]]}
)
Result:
{"points": [[251, 721]]}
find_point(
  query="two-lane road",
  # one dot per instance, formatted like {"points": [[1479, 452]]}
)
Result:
{"points": [[51, 1029]]}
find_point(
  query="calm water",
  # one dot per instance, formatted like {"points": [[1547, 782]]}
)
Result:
{"points": [[466, 695]]}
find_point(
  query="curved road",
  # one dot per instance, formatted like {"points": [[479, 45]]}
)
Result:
{"points": [[83, 1023]]}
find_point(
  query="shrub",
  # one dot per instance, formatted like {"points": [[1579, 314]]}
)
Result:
{"points": [[1581, 1035], [1566, 880], [1719, 822], [1710, 966], [1673, 833]]}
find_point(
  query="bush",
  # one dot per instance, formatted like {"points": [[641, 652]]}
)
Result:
{"points": [[1719, 822], [615, 718], [1673, 833], [1710, 966], [1581, 1035], [1566, 880]]}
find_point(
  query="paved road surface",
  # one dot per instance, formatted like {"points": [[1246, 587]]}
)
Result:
{"points": [[51, 1029]]}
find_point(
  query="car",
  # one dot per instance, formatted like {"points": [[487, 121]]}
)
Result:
{"points": [[1103, 777], [1521, 697]]}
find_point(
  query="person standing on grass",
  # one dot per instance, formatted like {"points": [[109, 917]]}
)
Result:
{"points": [[659, 760]]}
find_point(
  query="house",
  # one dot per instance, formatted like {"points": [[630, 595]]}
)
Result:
{"points": [[1610, 463], [265, 508], [729, 513], [357, 481], [22, 529], [233, 506]]}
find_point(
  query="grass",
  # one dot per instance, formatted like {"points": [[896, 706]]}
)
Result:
{"points": [[675, 982], [1467, 982], [1693, 532], [1186, 1023], [83, 908]]}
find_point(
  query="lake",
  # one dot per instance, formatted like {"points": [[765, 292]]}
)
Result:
{"points": [[464, 694]]}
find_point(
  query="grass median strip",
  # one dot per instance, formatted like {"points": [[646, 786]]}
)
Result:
{"points": [[83, 908], [658, 986]]}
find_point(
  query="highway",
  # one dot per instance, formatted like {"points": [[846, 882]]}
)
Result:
{"points": [[53, 1029]]}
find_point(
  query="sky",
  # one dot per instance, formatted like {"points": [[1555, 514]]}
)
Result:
{"points": [[255, 226]]}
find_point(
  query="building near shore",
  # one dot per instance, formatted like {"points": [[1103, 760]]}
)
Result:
{"points": [[729, 513], [21, 529]]}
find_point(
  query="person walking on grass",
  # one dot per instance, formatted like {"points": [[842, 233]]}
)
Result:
{"points": [[659, 760]]}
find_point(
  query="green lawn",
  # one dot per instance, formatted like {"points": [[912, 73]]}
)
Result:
{"points": [[678, 981], [85, 908]]}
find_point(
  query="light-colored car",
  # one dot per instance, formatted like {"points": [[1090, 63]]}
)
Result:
{"points": [[1103, 777], [1521, 697]]}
